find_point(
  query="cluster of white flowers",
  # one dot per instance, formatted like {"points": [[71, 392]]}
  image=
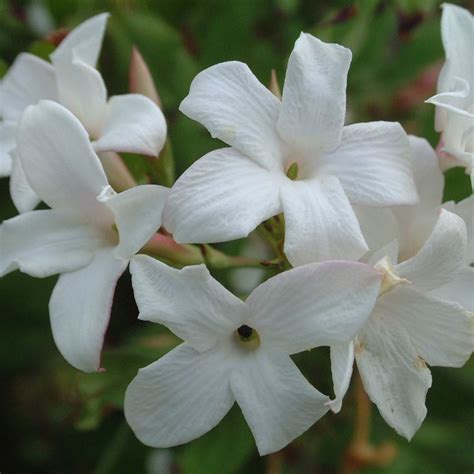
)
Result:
{"points": [[381, 270]]}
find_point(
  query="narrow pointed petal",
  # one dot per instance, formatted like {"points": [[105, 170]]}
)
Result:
{"points": [[137, 214], [373, 165], [7, 144], [23, 196], [314, 305], [440, 258], [84, 42], [236, 108], [58, 159], [459, 289], [342, 363], [79, 309], [46, 242], [222, 196], [314, 95], [180, 397], [441, 332], [277, 401], [320, 222], [29, 80], [82, 90], [133, 124], [190, 302], [393, 376]]}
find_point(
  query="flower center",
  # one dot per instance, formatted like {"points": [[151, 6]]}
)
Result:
{"points": [[247, 337], [389, 279]]}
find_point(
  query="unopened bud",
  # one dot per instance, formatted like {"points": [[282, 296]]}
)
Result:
{"points": [[140, 78]]}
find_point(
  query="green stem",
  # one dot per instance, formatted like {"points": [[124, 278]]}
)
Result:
{"points": [[114, 450], [164, 247]]}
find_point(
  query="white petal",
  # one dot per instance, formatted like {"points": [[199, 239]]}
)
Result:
{"points": [[379, 226], [23, 196], [373, 164], [179, 397], [440, 258], [137, 214], [342, 362], [441, 332], [459, 289], [393, 377], [277, 401], [320, 222], [29, 80], [314, 95], [417, 222], [390, 251], [314, 305], [222, 196], [58, 159], [190, 302], [132, 124], [236, 108], [80, 307], [465, 210], [83, 42], [82, 90], [457, 30], [7, 144], [42, 243]]}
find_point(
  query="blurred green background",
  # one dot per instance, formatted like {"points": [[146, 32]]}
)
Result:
{"points": [[57, 420]]}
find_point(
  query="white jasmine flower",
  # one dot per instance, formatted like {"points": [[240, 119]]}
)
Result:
{"points": [[127, 123], [88, 235], [455, 98], [240, 351], [292, 156], [410, 328]]}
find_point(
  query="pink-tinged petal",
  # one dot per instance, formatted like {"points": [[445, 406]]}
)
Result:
{"points": [[58, 160], [132, 123], [320, 304], [373, 164], [84, 42], [441, 332], [79, 309], [276, 400], [46, 242], [140, 78], [320, 222], [82, 90], [29, 80], [179, 397], [314, 95], [442, 256], [137, 214], [236, 108], [393, 376], [7, 145], [23, 196], [342, 363], [459, 289], [190, 302], [222, 196]]}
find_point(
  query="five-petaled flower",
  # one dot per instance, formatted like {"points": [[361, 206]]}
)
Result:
{"points": [[127, 123], [88, 235], [240, 351], [292, 156]]}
